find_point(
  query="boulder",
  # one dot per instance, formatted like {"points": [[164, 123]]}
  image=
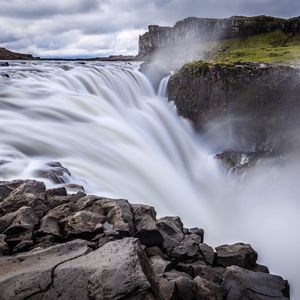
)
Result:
{"points": [[145, 225], [26, 275], [171, 229], [114, 271], [208, 290], [187, 248], [208, 253], [20, 230], [242, 255], [176, 285], [29, 193], [117, 212], [244, 284]]}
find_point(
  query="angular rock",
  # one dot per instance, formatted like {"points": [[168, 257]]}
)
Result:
{"points": [[160, 265], [239, 254], [3, 245], [83, 222], [208, 253], [50, 224], [199, 232], [186, 248], [29, 274], [29, 193], [171, 229], [208, 290], [177, 285], [244, 284], [145, 225], [114, 271], [116, 212], [19, 233]]}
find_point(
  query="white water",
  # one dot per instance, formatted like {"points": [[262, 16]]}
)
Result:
{"points": [[105, 123]]}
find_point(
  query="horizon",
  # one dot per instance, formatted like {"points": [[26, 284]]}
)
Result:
{"points": [[84, 29]]}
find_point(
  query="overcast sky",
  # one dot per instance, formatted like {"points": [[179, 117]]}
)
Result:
{"points": [[74, 28]]}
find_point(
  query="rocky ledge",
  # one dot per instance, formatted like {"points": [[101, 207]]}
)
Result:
{"points": [[77, 246], [191, 31], [256, 105]]}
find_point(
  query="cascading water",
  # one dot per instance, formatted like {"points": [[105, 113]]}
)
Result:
{"points": [[106, 125]]}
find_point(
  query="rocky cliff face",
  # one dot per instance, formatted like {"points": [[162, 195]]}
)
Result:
{"points": [[192, 31], [7, 55], [253, 106], [54, 245]]}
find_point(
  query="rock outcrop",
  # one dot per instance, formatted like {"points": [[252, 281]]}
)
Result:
{"points": [[54, 245], [9, 55], [254, 106], [193, 31]]}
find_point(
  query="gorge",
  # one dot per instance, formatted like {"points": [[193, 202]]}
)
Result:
{"points": [[101, 128]]}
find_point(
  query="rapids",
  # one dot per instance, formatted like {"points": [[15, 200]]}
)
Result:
{"points": [[119, 138]]}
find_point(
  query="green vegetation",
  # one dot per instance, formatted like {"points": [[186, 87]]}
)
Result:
{"points": [[272, 47]]}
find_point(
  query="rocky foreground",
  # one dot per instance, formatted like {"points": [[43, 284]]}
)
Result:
{"points": [[54, 245]]}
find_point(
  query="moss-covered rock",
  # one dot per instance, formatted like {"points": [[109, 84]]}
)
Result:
{"points": [[257, 103]]}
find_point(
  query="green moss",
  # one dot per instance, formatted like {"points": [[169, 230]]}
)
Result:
{"points": [[271, 47]]}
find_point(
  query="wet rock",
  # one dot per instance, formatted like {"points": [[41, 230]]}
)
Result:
{"points": [[208, 290], [3, 245], [116, 212], [160, 265], [154, 251], [61, 191], [19, 232], [260, 268], [145, 225], [50, 224], [208, 253], [244, 284], [114, 271], [83, 223], [29, 274], [186, 248], [239, 254], [171, 229], [177, 285], [29, 193], [55, 172], [199, 232]]}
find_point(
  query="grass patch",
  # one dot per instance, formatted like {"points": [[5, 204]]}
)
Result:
{"points": [[272, 47]]}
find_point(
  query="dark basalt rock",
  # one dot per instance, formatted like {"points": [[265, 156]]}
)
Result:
{"points": [[76, 247], [243, 284], [239, 254], [145, 224], [251, 106]]}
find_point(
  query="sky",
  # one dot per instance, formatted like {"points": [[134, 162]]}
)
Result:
{"points": [[90, 28]]}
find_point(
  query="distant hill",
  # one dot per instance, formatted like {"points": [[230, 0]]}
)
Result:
{"points": [[9, 55]]}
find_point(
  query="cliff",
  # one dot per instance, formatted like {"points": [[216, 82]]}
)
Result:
{"points": [[253, 106], [192, 31], [9, 55]]}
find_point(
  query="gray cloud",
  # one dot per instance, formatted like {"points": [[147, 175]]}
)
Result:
{"points": [[103, 27]]}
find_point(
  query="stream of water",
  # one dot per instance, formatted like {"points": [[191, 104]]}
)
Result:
{"points": [[119, 138]]}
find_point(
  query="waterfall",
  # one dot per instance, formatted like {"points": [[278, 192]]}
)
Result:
{"points": [[163, 85], [107, 126]]}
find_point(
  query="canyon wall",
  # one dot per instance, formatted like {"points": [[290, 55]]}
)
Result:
{"points": [[194, 30], [253, 106]]}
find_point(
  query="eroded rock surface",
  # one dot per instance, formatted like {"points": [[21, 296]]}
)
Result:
{"points": [[59, 246]]}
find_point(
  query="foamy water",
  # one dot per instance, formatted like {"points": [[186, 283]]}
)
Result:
{"points": [[119, 138]]}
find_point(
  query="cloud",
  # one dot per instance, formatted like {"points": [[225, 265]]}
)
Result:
{"points": [[102, 27]]}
